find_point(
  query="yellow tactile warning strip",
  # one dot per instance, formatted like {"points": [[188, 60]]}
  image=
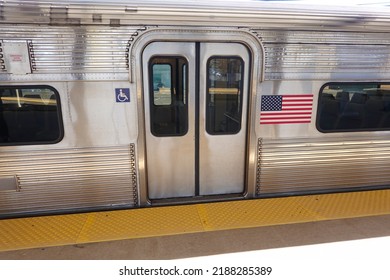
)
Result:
{"points": [[59, 230]]}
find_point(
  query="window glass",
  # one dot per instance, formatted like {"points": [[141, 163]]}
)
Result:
{"points": [[224, 95], [29, 115], [168, 95], [354, 107], [162, 74]]}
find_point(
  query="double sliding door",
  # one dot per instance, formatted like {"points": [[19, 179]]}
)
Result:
{"points": [[196, 102]]}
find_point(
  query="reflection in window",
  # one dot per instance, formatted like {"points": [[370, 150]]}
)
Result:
{"points": [[162, 74], [29, 115], [354, 107], [224, 95], [168, 95]]}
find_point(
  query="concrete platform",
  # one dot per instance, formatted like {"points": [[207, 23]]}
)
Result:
{"points": [[200, 229], [215, 242]]}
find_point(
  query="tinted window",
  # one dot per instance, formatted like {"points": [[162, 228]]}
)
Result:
{"points": [[29, 115], [354, 107], [224, 95], [168, 95]]}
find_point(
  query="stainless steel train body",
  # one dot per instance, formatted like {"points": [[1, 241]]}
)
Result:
{"points": [[121, 105]]}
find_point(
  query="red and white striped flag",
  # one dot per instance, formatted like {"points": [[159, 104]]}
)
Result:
{"points": [[286, 109]]}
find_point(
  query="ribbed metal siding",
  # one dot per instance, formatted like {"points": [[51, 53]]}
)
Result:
{"points": [[325, 55], [57, 50], [69, 179], [321, 164], [201, 13], [323, 37], [79, 38], [2, 63], [288, 55]]}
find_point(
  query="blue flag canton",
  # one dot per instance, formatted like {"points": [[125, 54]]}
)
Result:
{"points": [[271, 103]]}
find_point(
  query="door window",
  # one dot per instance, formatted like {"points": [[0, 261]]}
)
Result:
{"points": [[168, 90], [224, 95]]}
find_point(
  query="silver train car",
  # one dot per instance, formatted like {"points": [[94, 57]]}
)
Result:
{"points": [[112, 105]]}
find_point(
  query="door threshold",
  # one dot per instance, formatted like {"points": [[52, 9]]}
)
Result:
{"points": [[196, 199]]}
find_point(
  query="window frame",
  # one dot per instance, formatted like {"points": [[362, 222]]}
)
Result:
{"points": [[58, 111]]}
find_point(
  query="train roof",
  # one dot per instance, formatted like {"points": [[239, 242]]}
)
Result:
{"points": [[226, 13]]}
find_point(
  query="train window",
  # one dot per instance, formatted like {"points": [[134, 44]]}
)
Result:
{"points": [[354, 107], [224, 95], [168, 95], [29, 115]]}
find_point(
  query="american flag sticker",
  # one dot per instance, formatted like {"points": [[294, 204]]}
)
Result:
{"points": [[286, 109]]}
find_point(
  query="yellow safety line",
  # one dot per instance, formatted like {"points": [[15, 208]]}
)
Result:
{"points": [[60, 230]]}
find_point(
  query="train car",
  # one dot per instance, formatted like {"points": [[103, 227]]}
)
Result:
{"points": [[112, 105]]}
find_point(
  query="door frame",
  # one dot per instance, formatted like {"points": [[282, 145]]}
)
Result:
{"points": [[207, 35]]}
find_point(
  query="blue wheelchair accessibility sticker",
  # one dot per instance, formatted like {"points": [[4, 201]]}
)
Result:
{"points": [[122, 95]]}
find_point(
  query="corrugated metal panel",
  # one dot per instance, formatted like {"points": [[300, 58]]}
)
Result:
{"points": [[82, 38], [222, 13], [320, 164], [323, 37], [325, 55], [69, 179], [2, 62], [74, 49], [295, 55]]}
